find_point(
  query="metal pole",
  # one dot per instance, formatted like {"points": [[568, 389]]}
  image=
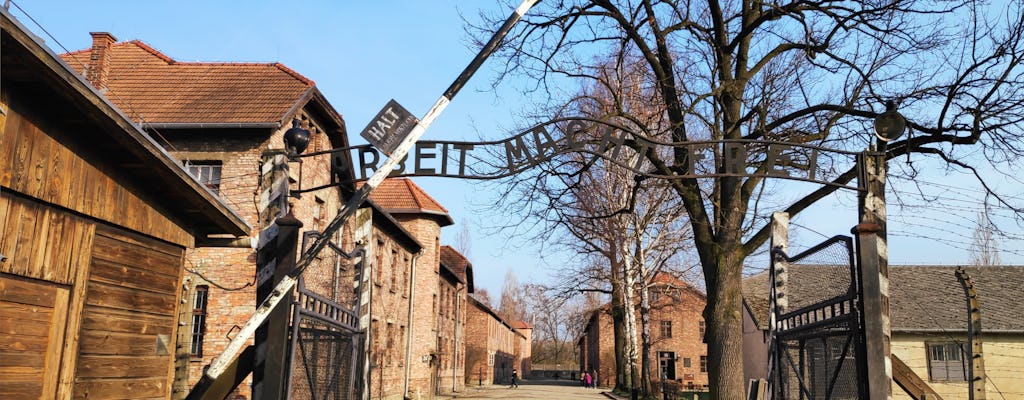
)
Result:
{"points": [[874, 269], [976, 361], [219, 364]]}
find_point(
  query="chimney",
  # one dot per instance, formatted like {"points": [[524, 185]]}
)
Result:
{"points": [[99, 59]]}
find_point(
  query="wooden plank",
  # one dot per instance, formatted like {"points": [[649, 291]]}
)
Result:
{"points": [[23, 155], [12, 342], [82, 250], [9, 135], [21, 390], [51, 374], [36, 174], [105, 295], [39, 242], [13, 327], [117, 251], [57, 173], [24, 292], [149, 243], [104, 366], [99, 389], [22, 224], [132, 277], [100, 319], [20, 359], [912, 384], [93, 342]]}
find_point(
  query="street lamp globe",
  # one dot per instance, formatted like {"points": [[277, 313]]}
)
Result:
{"points": [[890, 125], [296, 139]]}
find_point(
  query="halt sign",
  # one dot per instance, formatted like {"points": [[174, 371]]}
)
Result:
{"points": [[392, 124]]}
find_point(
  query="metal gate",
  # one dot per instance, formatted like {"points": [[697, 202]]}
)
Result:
{"points": [[325, 349], [817, 350], [326, 345]]}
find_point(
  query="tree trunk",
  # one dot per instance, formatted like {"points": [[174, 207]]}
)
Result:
{"points": [[645, 337], [628, 298], [619, 327], [725, 325]]}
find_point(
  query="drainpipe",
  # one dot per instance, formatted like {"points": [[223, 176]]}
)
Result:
{"points": [[455, 343], [408, 325]]}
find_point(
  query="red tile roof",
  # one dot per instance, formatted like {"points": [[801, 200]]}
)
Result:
{"points": [[455, 261], [402, 196], [521, 325], [154, 88]]}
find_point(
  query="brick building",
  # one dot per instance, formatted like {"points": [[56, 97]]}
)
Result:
{"points": [[678, 351], [423, 217], [494, 347], [455, 285], [219, 120], [524, 347]]}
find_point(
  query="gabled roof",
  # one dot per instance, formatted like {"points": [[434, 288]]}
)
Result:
{"points": [[922, 298], [402, 196], [149, 85], [103, 129], [458, 265]]}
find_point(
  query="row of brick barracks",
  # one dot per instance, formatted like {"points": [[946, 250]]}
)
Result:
{"points": [[424, 332]]}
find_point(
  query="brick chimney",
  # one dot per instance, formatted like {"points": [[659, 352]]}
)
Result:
{"points": [[99, 59]]}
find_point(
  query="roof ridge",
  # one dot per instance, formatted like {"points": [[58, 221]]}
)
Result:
{"points": [[149, 49], [418, 191]]}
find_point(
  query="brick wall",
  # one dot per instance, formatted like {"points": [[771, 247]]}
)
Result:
{"points": [[230, 272], [423, 330], [677, 305]]}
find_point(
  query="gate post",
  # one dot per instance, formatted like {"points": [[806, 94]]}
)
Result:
{"points": [[275, 258], [873, 257], [779, 301]]}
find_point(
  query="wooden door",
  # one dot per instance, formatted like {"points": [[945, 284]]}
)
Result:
{"points": [[32, 320]]}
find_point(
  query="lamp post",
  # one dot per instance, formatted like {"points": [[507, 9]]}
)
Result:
{"points": [[874, 257]]}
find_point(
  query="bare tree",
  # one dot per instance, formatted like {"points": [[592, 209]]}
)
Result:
{"points": [[513, 304], [483, 296], [985, 247], [792, 71], [463, 240], [557, 322]]}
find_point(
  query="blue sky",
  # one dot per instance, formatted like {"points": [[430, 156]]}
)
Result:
{"points": [[359, 53], [362, 53]]}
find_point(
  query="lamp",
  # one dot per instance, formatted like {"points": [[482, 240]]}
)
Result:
{"points": [[890, 125], [296, 139]]}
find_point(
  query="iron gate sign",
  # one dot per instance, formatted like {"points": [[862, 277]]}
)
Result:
{"points": [[590, 138], [392, 124]]}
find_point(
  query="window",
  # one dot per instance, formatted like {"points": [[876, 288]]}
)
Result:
{"points": [[686, 362], [946, 362], [667, 364], [405, 275], [199, 320], [655, 295], [395, 267], [666, 329], [704, 364], [703, 329], [319, 209], [379, 264], [401, 338], [206, 172]]}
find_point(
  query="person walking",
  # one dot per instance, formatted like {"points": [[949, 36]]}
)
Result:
{"points": [[515, 379], [587, 380]]}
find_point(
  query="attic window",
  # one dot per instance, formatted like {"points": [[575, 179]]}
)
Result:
{"points": [[206, 172]]}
